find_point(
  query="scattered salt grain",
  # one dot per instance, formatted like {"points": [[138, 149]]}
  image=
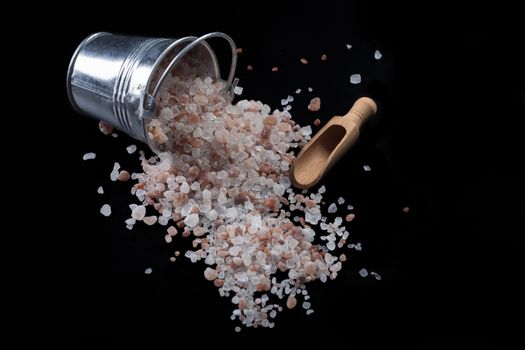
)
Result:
{"points": [[363, 272], [377, 55], [340, 201], [275, 69], [123, 176], [237, 90], [298, 91], [131, 149], [303, 61], [138, 212], [239, 50], [315, 104], [115, 172], [291, 302], [105, 128], [150, 220], [249, 67], [406, 210], [310, 89], [237, 329], [350, 207], [350, 217], [355, 79], [210, 274], [89, 156], [105, 210], [322, 189], [148, 271], [348, 46], [324, 57], [115, 135], [332, 208], [367, 168], [306, 305], [100, 190], [376, 276], [317, 122], [191, 220]]}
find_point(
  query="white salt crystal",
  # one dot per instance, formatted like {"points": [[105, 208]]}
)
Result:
{"points": [[377, 55], [115, 172], [278, 189], [115, 135], [332, 208], [237, 329], [284, 102], [138, 212], [131, 149], [330, 245], [367, 167], [306, 305], [148, 271], [238, 90], [185, 188], [310, 89], [340, 201], [105, 210], [322, 189], [363, 272], [100, 190], [89, 155], [191, 220], [298, 91], [290, 98], [348, 46], [355, 79], [350, 207]]}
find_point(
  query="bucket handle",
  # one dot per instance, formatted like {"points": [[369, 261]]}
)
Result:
{"points": [[147, 101]]}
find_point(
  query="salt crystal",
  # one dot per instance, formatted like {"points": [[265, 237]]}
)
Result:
{"points": [[89, 156], [330, 245], [115, 135], [310, 89], [105, 210], [367, 168], [340, 201], [406, 210], [191, 220], [100, 190], [237, 329], [332, 208], [377, 55], [298, 91], [105, 128], [355, 79], [150, 220], [322, 189], [350, 207], [115, 172], [131, 149], [185, 188], [315, 104], [348, 46], [303, 61], [148, 271], [138, 212], [237, 90], [306, 305], [363, 272], [210, 274]]}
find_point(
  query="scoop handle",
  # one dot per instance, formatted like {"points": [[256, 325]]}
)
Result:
{"points": [[362, 110]]}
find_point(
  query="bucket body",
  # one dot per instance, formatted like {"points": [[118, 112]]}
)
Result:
{"points": [[116, 78]]}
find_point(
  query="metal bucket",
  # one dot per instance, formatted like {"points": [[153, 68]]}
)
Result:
{"points": [[116, 78]]}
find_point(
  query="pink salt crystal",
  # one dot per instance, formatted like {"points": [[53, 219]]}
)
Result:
{"points": [[342, 258], [406, 210], [177, 253], [303, 61], [315, 104], [168, 238], [291, 302], [317, 122], [324, 57], [150, 220], [249, 67], [210, 274], [350, 217], [310, 268], [275, 69], [172, 231], [239, 50], [105, 128], [123, 176]]}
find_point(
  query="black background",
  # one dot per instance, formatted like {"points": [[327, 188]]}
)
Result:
{"points": [[448, 144]]}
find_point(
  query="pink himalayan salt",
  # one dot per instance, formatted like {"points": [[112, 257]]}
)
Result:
{"points": [[315, 104], [210, 274], [105, 127]]}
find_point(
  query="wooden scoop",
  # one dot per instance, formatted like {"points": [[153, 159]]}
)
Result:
{"points": [[330, 143]]}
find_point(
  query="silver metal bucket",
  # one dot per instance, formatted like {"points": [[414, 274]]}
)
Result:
{"points": [[116, 78]]}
